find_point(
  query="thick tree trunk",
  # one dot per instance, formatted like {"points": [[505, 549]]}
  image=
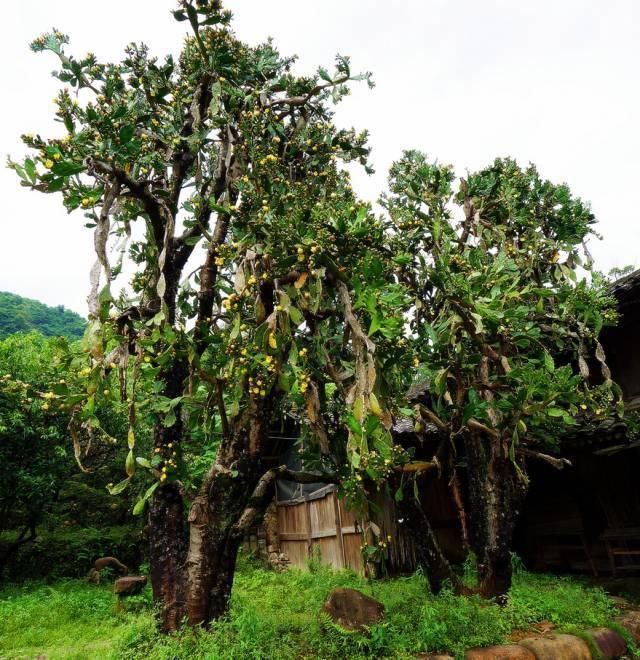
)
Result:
{"points": [[213, 548], [496, 491], [167, 541], [167, 533], [215, 535]]}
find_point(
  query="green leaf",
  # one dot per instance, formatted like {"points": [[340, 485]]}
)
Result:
{"points": [[130, 464], [126, 133], [169, 420], [30, 169], [214, 106], [293, 354], [118, 488], [295, 315], [353, 424], [324, 74], [549, 364], [67, 168], [139, 507], [235, 330], [555, 412], [143, 462], [376, 323]]}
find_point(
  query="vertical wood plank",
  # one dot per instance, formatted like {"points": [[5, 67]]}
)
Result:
{"points": [[307, 508], [339, 539]]}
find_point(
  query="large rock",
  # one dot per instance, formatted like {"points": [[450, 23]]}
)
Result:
{"points": [[558, 647], [610, 643], [630, 621], [508, 652], [130, 585], [353, 610]]}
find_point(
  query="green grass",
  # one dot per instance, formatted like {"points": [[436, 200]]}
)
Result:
{"points": [[277, 616]]}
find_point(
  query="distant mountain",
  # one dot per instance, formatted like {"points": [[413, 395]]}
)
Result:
{"points": [[18, 314]]}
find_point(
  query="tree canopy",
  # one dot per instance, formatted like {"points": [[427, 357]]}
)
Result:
{"points": [[263, 292]]}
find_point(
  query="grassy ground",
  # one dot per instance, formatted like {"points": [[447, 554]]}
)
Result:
{"points": [[277, 616]]}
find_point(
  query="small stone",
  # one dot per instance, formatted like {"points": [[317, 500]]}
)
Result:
{"points": [[353, 610], [611, 644], [130, 585], [558, 647], [508, 652]]}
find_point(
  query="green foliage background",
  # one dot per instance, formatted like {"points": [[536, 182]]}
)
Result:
{"points": [[18, 314]]}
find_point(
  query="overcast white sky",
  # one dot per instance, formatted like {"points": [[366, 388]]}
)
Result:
{"points": [[549, 81]]}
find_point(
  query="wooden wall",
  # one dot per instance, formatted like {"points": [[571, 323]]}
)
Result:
{"points": [[323, 522]]}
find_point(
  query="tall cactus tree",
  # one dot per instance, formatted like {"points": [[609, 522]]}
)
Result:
{"points": [[505, 336], [217, 179]]}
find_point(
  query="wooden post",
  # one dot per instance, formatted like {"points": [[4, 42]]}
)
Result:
{"points": [[336, 506]]}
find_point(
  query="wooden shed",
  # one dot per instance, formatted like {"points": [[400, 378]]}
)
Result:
{"points": [[587, 519], [584, 519]]}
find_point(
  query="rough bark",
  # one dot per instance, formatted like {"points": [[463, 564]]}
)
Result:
{"points": [[213, 548], [496, 491], [223, 497], [167, 538], [167, 554]]}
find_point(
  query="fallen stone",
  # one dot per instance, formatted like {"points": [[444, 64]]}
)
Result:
{"points": [[558, 647], [610, 643], [353, 610], [130, 585], [630, 621], [508, 652]]}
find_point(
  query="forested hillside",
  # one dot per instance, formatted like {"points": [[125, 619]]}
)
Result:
{"points": [[18, 314]]}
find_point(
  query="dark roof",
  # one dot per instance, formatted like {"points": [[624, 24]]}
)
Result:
{"points": [[626, 290], [595, 434]]}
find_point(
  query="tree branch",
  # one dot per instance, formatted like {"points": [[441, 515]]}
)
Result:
{"points": [[557, 463], [152, 205], [263, 492]]}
